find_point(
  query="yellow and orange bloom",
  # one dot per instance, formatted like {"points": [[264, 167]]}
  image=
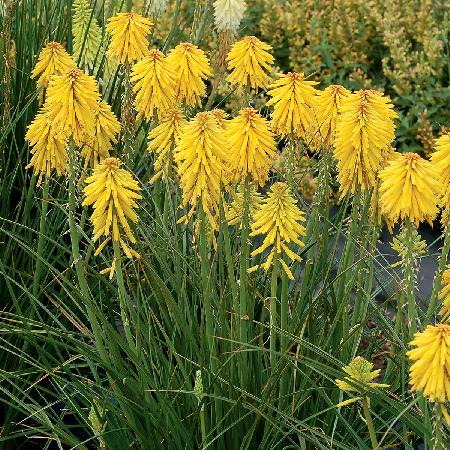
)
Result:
{"points": [[252, 147], [162, 140], [112, 192], [409, 189], [48, 147], [106, 130], [279, 220], [294, 100], [441, 161], [249, 61], [221, 117], [53, 60], [154, 84], [191, 67], [329, 105], [129, 36], [364, 129], [430, 370], [72, 101], [200, 156]]}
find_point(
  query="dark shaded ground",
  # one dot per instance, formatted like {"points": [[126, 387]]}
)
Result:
{"points": [[427, 264]]}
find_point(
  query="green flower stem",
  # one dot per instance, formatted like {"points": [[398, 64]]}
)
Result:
{"points": [[127, 117], [76, 256], [369, 422], [347, 261], [409, 278], [123, 301], [438, 278], [209, 318], [438, 440], [314, 232], [203, 426], [41, 240], [230, 270], [243, 277], [284, 314], [29, 200], [273, 312], [291, 162]]}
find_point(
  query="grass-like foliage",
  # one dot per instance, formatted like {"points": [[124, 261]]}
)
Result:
{"points": [[189, 240]]}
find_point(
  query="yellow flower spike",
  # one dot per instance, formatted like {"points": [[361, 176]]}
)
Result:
{"points": [[249, 60], [410, 189], [53, 60], [400, 245], [48, 147], [162, 139], [129, 36], [201, 161], [154, 84], [106, 129], [329, 105], [235, 210], [360, 376], [252, 147], [444, 294], [364, 129], [191, 67], [279, 220], [430, 369], [441, 160], [295, 103], [221, 117], [112, 191], [87, 35], [72, 101]]}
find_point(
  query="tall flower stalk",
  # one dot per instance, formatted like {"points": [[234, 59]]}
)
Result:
{"points": [[279, 220], [409, 191], [129, 43]]}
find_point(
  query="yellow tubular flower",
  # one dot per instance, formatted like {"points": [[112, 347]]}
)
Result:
{"points": [[48, 147], [279, 219], [294, 100], [106, 129], [162, 139], [430, 371], [252, 147], [409, 189], [360, 376], [72, 100], [441, 160], [235, 210], [364, 129], [249, 60], [221, 117], [329, 104], [113, 193], [201, 156], [191, 67], [444, 294], [154, 85], [129, 32], [53, 60]]}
